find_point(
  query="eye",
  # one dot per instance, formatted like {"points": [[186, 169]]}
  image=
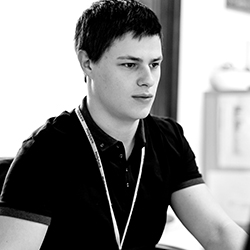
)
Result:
{"points": [[155, 65], [129, 65]]}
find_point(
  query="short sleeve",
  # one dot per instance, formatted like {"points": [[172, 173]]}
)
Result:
{"points": [[187, 172], [179, 155], [28, 188]]}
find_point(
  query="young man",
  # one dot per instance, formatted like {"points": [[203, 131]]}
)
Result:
{"points": [[103, 175]]}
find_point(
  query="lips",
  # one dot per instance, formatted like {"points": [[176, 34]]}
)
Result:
{"points": [[143, 96]]}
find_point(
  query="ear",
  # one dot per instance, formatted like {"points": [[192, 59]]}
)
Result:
{"points": [[84, 62]]}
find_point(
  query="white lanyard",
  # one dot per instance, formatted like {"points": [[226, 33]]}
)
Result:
{"points": [[99, 163]]}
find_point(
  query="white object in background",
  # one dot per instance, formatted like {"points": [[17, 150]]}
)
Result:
{"points": [[228, 78]]}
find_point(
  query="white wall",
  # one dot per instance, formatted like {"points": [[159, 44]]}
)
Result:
{"points": [[211, 35], [40, 75]]}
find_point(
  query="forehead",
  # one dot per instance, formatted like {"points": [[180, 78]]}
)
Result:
{"points": [[148, 47]]}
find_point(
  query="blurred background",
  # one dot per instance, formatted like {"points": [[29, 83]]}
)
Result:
{"points": [[204, 86]]}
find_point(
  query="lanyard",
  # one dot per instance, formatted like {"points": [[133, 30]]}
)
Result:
{"points": [[100, 166]]}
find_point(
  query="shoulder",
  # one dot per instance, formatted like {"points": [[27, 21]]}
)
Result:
{"points": [[166, 133], [43, 154], [166, 127], [54, 129], [51, 137], [61, 124]]}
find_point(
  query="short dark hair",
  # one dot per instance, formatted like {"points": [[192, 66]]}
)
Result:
{"points": [[108, 20]]}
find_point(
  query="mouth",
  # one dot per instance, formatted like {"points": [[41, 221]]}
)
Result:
{"points": [[143, 96]]}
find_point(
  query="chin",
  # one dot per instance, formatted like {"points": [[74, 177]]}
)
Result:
{"points": [[143, 114]]}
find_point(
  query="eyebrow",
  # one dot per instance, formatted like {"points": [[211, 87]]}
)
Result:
{"points": [[137, 59]]}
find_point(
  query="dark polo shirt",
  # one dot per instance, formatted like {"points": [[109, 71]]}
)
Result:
{"points": [[55, 180]]}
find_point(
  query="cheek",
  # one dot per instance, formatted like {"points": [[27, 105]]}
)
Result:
{"points": [[114, 84], [110, 83], [157, 80], [109, 88]]}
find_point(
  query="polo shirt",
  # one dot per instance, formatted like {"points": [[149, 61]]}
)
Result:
{"points": [[54, 179]]}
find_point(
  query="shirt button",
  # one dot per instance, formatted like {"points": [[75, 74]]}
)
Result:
{"points": [[102, 145], [127, 184], [121, 156]]}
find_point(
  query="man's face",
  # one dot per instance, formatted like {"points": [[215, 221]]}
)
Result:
{"points": [[126, 78]]}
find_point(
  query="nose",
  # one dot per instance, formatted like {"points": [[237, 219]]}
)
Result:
{"points": [[146, 77]]}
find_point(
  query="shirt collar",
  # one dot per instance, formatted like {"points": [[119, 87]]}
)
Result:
{"points": [[102, 139]]}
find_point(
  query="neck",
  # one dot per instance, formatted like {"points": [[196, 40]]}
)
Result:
{"points": [[121, 130]]}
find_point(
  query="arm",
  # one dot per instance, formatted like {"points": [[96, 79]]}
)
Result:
{"points": [[206, 220], [18, 234]]}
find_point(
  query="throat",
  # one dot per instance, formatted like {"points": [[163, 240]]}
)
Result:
{"points": [[129, 149], [126, 137], [120, 129], [122, 132]]}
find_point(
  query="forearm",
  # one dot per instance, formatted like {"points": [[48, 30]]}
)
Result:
{"points": [[206, 220], [230, 237]]}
